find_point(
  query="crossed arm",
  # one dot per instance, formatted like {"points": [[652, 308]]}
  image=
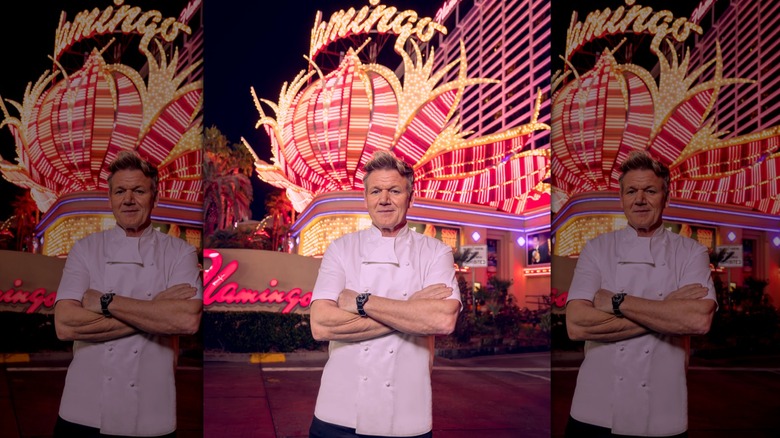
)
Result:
{"points": [[171, 312], [427, 312], [682, 312], [685, 311]]}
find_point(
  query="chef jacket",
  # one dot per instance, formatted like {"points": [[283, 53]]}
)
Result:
{"points": [[125, 386], [637, 386], [381, 386]]}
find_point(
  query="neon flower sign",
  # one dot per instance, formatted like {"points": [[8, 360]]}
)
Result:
{"points": [[325, 130], [218, 289], [600, 116]]}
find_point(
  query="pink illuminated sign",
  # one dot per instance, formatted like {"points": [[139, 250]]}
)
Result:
{"points": [[35, 300], [218, 289]]}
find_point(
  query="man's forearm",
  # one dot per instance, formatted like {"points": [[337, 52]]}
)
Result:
{"points": [[74, 323], [161, 317], [329, 323], [415, 316], [586, 323], [672, 317]]}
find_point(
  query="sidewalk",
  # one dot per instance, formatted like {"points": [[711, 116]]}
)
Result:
{"points": [[499, 396], [727, 397]]}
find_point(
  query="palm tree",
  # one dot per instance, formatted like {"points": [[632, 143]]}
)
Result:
{"points": [[282, 215], [26, 216], [227, 187]]}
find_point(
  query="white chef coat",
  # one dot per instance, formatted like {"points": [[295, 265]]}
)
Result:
{"points": [[125, 386], [637, 386], [381, 386]]}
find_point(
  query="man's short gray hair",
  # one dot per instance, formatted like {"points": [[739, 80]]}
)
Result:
{"points": [[386, 160], [642, 160], [131, 160]]}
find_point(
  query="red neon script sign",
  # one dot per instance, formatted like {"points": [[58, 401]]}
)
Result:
{"points": [[218, 290], [35, 299]]}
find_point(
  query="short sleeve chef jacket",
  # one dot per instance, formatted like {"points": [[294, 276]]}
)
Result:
{"points": [[381, 386], [125, 386], [637, 386]]}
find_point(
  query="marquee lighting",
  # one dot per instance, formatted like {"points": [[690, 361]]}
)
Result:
{"points": [[602, 115], [319, 233], [572, 236], [537, 272], [475, 236], [324, 132], [731, 236], [776, 241], [521, 241]]}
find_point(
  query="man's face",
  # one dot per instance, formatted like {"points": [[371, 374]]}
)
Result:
{"points": [[132, 200], [643, 198], [387, 199]]}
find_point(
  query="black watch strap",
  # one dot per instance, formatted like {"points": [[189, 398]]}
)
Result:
{"points": [[105, 300], [361, 300], [617, 300]]}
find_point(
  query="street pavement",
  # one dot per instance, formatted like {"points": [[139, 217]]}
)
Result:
{"points": [[727, 398], [505, 396], [30, 396]]}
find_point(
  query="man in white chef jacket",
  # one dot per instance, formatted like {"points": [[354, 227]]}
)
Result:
{"points": [[380, 297], [636, 295], [123, 293]]}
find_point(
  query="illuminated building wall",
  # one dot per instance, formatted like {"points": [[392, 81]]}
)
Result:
{"points": [[749, 35], [506, 40]]}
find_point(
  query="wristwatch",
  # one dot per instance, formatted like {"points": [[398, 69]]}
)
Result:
{"points": [[105, 300], [617, 299], [361, 300]]}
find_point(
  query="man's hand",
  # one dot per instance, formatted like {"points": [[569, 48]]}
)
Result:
{"points": [[347, 301], [437, 291], [603, 300], [178, 292], [688, 292], [91, 301]]}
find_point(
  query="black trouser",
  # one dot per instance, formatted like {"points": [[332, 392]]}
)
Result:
{"points": [[66, 429], [321, 429], [578, 429]]}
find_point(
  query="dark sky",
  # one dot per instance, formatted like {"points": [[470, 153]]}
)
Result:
{"points": [[261, 45]]}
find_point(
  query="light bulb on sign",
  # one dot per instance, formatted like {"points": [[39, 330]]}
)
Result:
{"points": [[521, 241], [475, 236], [776, 241], [731, 236]]}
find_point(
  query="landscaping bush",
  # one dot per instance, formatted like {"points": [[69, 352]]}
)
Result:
{"points": [[258, 332], [29, 333]]}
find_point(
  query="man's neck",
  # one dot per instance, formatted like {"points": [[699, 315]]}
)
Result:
{"points": [[135, 232]]}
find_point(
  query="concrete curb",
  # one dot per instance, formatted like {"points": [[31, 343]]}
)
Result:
{"points": [[260, 358]]}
